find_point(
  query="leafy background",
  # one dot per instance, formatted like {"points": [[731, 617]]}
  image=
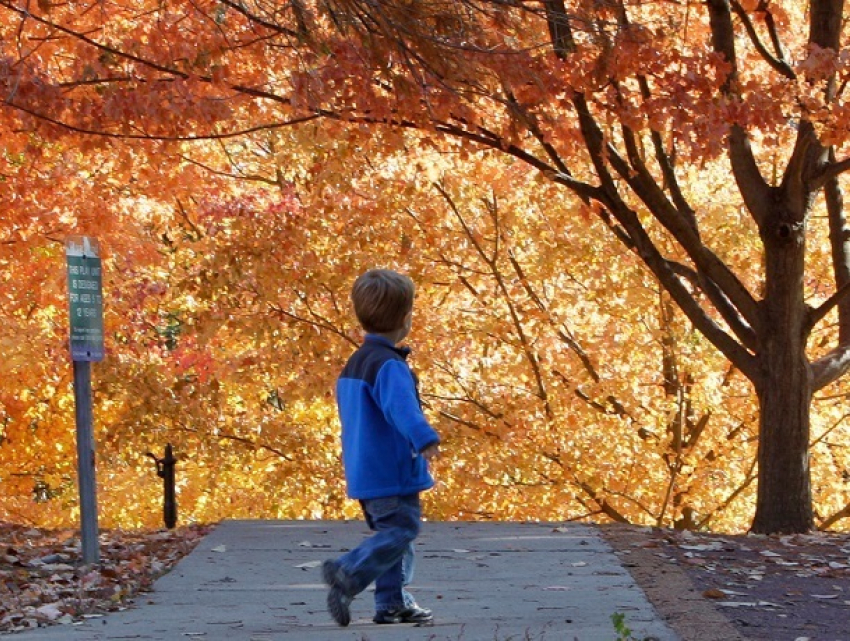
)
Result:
{"points": [[565, 383], [562, 380]]}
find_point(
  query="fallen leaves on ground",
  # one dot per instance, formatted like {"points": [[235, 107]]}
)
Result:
{"points": [[770, 587], [43, 581]]}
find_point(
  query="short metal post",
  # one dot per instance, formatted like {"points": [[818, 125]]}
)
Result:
{"points": [[165, 471], [85, 462]]}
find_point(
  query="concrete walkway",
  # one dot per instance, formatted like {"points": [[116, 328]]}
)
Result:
{"points": [[260, 581]]}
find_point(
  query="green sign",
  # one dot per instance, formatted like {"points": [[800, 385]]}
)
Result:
{"points": [[85, 298]]}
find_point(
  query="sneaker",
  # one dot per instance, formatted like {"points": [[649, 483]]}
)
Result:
{"points": [[329, 571], [341, 592], [338, 606], [334, 576], [407, 614]]}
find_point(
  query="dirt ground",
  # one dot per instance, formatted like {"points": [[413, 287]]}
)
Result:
{"points": [[712, 587]]}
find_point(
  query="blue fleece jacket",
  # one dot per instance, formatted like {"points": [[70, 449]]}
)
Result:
{"points": [[383, 427]]}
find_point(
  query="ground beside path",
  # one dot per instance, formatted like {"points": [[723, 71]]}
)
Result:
{"points": [[259, 581], [715, 587]]}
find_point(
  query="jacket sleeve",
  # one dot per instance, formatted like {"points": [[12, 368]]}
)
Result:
{"points": [[395, 393]]}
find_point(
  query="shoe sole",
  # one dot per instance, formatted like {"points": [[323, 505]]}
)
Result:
{"points": [[338, 606], [338, 598]]}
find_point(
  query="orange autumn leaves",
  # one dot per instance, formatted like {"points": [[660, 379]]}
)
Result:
{"points": [[540, 364], [551, 362]]}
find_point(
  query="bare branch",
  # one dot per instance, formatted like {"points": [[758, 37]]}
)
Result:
{"points": [[254, 445], [469, 425], [563, 332], [496, 273], [748, 480], [778, 61], [317, 321], [818, 313], [831, 171], [170, 138], [240, 7], [831, 520]]}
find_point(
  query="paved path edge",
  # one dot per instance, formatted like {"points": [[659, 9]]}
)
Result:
{"points": [[667, 587]]}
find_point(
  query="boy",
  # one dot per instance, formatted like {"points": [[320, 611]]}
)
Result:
{"points": [[386, 445]]}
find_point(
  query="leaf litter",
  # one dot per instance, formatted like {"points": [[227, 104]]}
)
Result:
{"points": [[770, 587], [44, 582]]}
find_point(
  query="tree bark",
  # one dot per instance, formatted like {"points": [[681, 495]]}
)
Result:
{"points": [[784, 386], [784, 499]]}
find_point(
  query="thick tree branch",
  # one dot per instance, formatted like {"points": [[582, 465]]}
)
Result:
{"points": [[830, 367], [678, 221], [839, 240], [601, 155], [683, 209], [742, 330], [662, 269], [818, 313], [661, 156], [665, 162], [711, 268], [752, 185], [531, 124], [830, 171], [559, 28], [825, 23]]}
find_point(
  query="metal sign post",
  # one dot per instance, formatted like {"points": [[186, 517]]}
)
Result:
{"points": [[85, 298]]}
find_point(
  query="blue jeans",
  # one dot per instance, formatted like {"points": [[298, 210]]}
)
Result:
{"points": [[386, 557]]}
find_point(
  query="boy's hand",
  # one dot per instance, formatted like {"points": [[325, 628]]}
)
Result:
{"points": [[431, 452]]}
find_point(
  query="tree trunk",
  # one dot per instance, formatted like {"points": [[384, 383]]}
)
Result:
{"points": [[784, 387], [784, 502]]}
